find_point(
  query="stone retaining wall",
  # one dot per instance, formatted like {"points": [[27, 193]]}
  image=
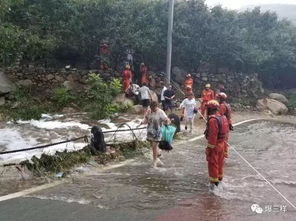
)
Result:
{"points": [[236, 84]]}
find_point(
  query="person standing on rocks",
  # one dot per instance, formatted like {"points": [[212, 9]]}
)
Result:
{"points": [[216, 134], [188, 85], [206, 95], [155, 118], [169, 95], [145, 96], [144, 74], [126, 78]]}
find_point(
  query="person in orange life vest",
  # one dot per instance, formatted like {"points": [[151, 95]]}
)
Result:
{"points": [[144, 74], [225, 110], [216, 133], [126, 78], [206, 95], [188, 85]]}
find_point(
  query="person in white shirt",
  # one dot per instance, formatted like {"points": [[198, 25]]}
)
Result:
{"points": [[190, 106], [145, 96], [164, 88]]}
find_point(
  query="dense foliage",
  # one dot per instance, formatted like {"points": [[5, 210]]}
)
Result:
{"points": [[55, 32], [96, 98]]}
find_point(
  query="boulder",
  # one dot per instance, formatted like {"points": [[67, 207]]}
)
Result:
{"points": [[122, 99], [69, 110], [69, 85], [50, 77], [136, 109], [274, 106], [25, 83], [5, 84], [59, 78], [279, 97], [2, 101]]}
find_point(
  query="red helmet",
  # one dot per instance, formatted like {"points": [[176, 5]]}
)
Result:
{"points": [[213, 104], [222, 95]]}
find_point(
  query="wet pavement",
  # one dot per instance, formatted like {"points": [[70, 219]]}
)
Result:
{"points": [[178, 191]]}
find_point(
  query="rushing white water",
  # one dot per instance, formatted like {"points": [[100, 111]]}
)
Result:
{"points": [[53, 129]]}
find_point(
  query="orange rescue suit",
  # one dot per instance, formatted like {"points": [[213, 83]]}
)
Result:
{"points": [[188, 85], [216, 133], [225, 110], [144, 74], [206, 96], [126, 79]]}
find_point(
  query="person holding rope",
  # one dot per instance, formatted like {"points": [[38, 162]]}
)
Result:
{"points": [[216, 133], [155, 117]]}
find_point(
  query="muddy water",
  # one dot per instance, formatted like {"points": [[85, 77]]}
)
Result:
{"points": [[179, 190]]}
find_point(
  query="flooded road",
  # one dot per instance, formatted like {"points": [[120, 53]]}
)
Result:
{"points": [[178, 191]]}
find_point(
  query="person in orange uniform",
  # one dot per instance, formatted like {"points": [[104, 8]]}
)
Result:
{"points": [[126, 78], [216, 133], [144, 74], [188, 85], [225, 110], [206, 95]]}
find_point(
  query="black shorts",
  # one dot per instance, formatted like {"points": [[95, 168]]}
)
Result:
{"points": [[145, 103], [168, 105], [163, 105]]}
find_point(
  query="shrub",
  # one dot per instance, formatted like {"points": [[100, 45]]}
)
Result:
{"points": [[25, 107], [62, 97], [292, 102], [97, 99]]}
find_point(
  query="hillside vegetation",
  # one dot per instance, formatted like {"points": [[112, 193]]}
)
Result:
{"points": [[59, 32]]}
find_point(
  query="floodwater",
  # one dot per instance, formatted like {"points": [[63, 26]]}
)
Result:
{"points": [[179, 191]]}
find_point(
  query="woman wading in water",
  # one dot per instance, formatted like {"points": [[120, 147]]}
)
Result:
{"points": [[155, 118]]}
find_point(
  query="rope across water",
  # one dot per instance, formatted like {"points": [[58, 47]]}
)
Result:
{"points": [[251, 166]]}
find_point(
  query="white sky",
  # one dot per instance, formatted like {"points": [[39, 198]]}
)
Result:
{"points": [[237, 4]]}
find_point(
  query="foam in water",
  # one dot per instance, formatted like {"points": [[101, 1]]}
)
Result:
{"points": [[64, 199], [12, 139], [50, 125]]}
